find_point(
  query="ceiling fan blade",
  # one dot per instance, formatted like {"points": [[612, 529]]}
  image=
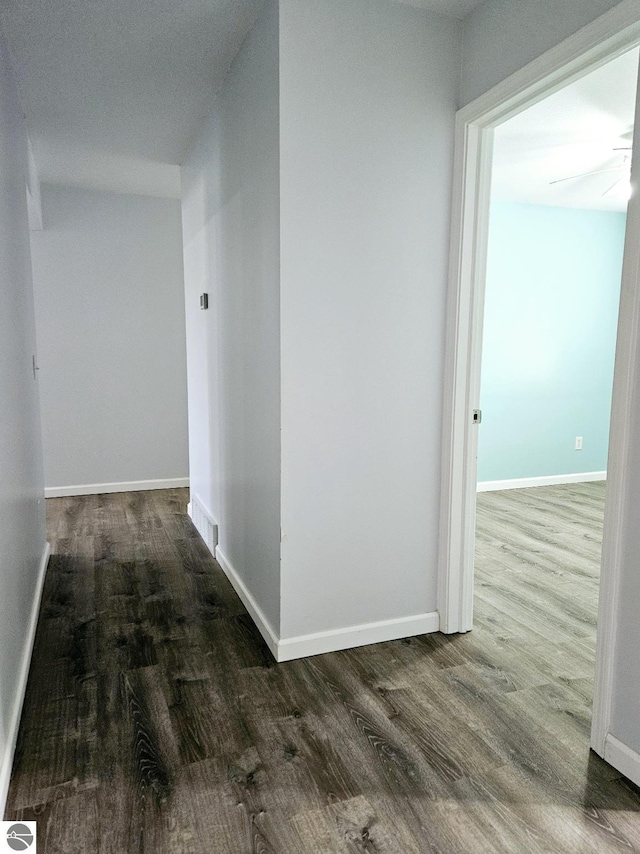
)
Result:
{"points": [[587, 174], [613, 186]]}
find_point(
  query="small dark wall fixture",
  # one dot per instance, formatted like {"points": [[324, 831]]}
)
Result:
{"points": [[204, 301]]}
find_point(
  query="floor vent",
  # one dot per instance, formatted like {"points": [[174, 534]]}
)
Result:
{"points": [[204, 524]]}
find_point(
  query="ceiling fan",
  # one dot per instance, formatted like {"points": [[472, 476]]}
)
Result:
{"points": [[625, 166]]}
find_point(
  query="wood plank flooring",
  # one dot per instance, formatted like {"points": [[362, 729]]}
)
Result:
{"points": [[156, 720]]}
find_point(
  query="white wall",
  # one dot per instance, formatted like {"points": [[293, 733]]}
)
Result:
{"points": [[231, 250], [501, 36], [22, 529], [110, 320], [342, 161], [367, 99]]}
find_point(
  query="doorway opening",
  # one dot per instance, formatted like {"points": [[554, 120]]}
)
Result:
{"points": [[600, 43], [559, 192]]}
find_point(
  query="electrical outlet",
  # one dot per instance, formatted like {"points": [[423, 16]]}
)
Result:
{"points": [[578, 443]]}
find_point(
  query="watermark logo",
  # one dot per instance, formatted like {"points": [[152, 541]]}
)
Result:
{"points": [[18, 836]]}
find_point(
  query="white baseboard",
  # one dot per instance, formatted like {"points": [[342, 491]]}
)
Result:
{"points": [[264, 626], [329, 641], [124, 486], [360, 635], [204, 523], [11, 737], [549, 480], [623, 758], [320, 642]]}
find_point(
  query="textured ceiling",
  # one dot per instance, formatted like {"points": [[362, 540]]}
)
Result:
{"points": [[115, 90], [572, 132], [452, 8]]}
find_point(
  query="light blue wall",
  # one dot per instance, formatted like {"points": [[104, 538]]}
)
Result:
{"points": [[553, 285]]}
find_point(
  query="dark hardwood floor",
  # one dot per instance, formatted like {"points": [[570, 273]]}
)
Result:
{"points": [[156, 720]]}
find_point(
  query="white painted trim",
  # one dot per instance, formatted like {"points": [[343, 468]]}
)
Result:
{"points": [[124, 486], [548, 480], [591, 47], [621, 456], [604, 39], [6, 763], [623, 758], [264, 626], [469, 239], [301, 646], [352, 636], [34, 198]]}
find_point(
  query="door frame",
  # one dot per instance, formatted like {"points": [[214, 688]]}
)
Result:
{"points": [[606, 38]]}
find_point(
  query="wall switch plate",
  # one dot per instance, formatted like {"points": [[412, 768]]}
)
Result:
{"points": [[578, 443], [204, 301]]}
